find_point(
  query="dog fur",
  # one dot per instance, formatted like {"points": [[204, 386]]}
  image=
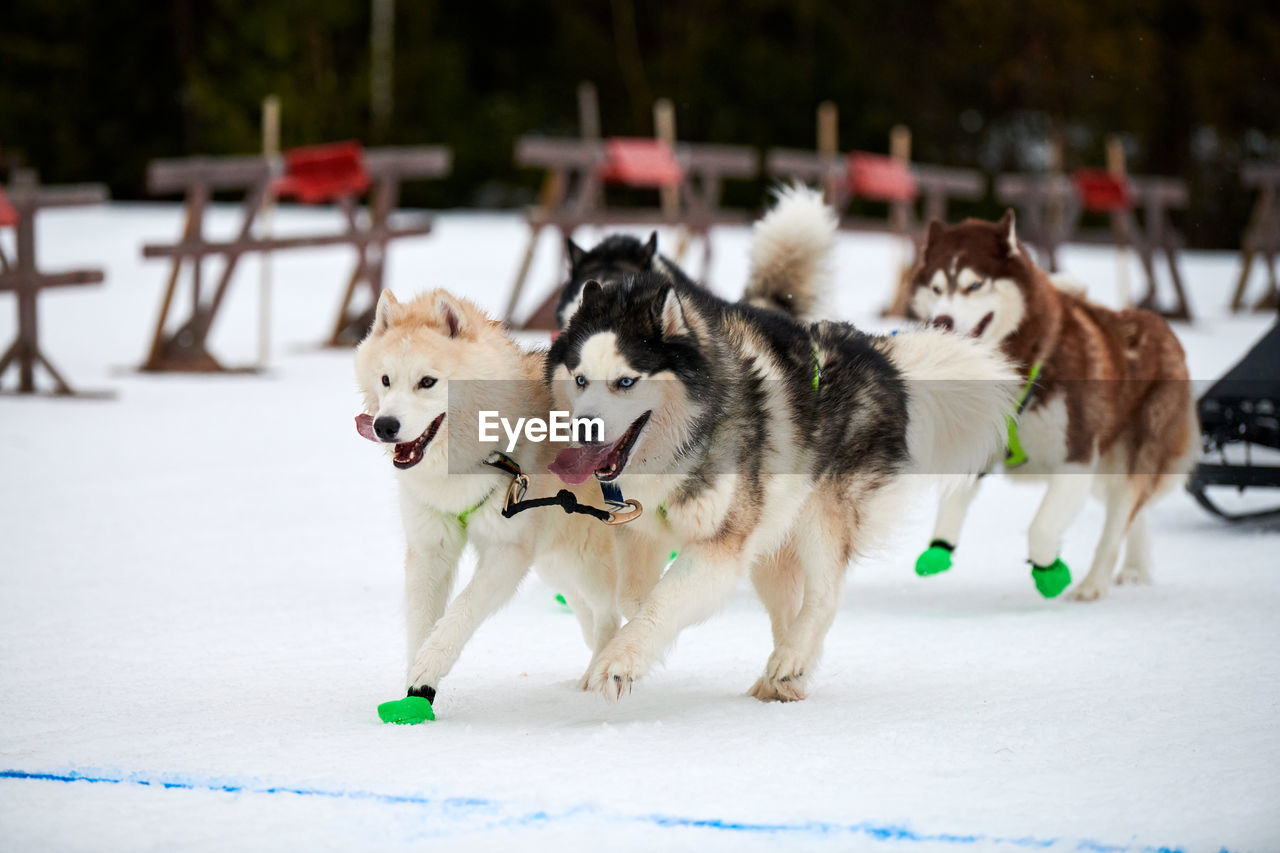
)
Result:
{"points": [[1112, 408], [764, 444]]}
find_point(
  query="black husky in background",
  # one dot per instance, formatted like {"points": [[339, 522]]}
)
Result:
{"points": [[616, 257]]}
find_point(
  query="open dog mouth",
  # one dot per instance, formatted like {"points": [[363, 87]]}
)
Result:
{"points": [[575, 465], [407, 453], [982, 325]]}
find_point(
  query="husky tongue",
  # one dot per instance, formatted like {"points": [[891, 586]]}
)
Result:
{"points": [[575, 465], [364, 426]]}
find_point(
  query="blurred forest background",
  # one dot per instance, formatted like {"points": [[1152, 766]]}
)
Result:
{"points": [[93, 90]]}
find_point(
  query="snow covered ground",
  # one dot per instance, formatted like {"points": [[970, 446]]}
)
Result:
{"points": [[200, 610]]}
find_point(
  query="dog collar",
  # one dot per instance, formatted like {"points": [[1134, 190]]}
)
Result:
{"points": [[1015, 455]]}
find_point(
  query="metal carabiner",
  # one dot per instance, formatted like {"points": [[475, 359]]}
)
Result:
{"points": [[515, 491], [621, 516]]}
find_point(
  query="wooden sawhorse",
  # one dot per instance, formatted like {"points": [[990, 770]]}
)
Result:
{"points": [[1262, 236], [186, 348], [1051, 204], [25, 198]]}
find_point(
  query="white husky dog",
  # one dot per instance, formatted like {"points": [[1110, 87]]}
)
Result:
{"points": [[426, 370]]}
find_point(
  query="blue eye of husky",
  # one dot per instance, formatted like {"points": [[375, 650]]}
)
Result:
{"points": [[626, 382], [426, 382], [581, 380], [971, 288]]}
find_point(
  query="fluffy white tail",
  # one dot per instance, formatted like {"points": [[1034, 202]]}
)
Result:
{"points": [[791, 253], [959, 393]]}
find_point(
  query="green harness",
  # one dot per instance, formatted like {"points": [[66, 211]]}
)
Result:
{"points": [[1015, 455], [465, 515], [504, 464]]}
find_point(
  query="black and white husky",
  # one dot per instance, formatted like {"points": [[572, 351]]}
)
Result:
{"points": [[761, 442]]}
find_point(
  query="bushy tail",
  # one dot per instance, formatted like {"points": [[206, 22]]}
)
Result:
{"points": [[959, 393], [791, 254]]}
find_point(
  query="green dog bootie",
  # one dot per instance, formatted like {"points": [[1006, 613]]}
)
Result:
{"points": [[408, 711], [1052, 579], [935, 559]]}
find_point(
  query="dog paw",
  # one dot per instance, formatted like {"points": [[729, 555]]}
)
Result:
{"points": [[771, 690], [1133, 575], [783, 679], [776, 690], [614, 675], [584, 683], [426, 667], [1088, 591]]}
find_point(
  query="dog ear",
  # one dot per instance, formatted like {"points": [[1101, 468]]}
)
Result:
{"points": [[934, 232], [591, 291], [451, 314], [1008, 228], [566, 315], [386, 312], [575, 253], [670, 317], [650, 249]]}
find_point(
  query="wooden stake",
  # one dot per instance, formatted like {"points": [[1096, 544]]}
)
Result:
{"points": [[828, 129], [1053, 205], [900, 150], [664, 128], [828, 144], [1116, 166], [899, 220], [270, 150], [900, 143]]}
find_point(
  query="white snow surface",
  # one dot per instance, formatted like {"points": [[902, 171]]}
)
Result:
{"points": [[200, 586]]}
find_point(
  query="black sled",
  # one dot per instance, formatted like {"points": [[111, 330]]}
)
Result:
{"points": [[1241, 408]]}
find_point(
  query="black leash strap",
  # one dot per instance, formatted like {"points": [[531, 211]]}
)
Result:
{"points": [[622, 512], [563, 499]]}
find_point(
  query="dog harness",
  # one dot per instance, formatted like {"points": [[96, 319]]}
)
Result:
{"points": [[1015, 455], [619, 511], [466, 514]]}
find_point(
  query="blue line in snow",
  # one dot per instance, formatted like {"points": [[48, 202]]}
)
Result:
{"points": [[474, 806]]}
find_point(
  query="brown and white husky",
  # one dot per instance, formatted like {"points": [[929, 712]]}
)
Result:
{"points": [[1106, 408]]}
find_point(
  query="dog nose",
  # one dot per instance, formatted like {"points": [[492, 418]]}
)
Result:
{"points": [[386, 428], [944, 321]]}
